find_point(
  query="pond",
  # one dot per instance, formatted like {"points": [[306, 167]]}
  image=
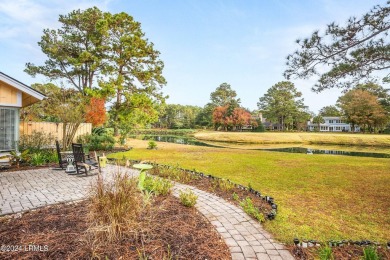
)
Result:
{"points": [[337, 150], [174, 139], [330, 152]]}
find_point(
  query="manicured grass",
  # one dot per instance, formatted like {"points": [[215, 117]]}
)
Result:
{"points": [[296, 138], [319, 196]]}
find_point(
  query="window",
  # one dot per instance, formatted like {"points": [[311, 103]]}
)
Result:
{"points": [[8, 129], [330, 121]]}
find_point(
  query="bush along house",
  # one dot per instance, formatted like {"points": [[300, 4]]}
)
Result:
{"points": [[13, 96]]}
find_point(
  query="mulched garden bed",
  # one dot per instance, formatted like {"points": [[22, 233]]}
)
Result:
{"points": [[211, 184], [59, 232]]}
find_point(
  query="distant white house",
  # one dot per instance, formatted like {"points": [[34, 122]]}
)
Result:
{"points": [[332, 124]]}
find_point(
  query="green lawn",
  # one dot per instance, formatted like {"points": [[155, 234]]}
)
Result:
{"points": [[319, 196]]}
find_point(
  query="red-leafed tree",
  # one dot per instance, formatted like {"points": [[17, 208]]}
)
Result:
{"points": [[241, 117], [231, 119], [96, 112], [220, 114]]}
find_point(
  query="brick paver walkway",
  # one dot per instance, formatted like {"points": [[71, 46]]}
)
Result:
{"points": [[246, 239]]}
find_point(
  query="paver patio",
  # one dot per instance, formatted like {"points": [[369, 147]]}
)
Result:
{"points": [[246, 239]]}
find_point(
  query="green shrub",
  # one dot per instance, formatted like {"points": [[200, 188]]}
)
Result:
{"points": [[157, 185], [259, 127], [51, 156], [188, 198], [152, 145], [97, 141], [370, 253], [37, 159], [251, 210], [42, 158], [235, 196], [36, 142], [325, 253]]}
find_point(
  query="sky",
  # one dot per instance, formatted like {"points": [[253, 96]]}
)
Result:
{"points": [[203, 43]]}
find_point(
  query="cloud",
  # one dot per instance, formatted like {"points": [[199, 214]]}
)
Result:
{"points": [[24, 18]]}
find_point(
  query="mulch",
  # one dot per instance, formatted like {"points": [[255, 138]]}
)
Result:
{"points": [[206, 184], [60, 232]]}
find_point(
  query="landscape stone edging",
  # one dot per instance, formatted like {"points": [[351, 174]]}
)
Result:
{"points": [[340, 243]]}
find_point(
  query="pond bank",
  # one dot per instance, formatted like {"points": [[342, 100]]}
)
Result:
{"points": [[296, 138]]}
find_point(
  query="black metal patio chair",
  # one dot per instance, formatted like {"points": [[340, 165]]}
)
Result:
{"points": [[62, 162], [83, 163]]}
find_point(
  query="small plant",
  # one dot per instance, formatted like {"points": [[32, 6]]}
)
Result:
{"points": [[38, 159], [370, 253], [100, 139], [51, 156], [152, 145], [235, 196], [251, 210], [325, 253], [188, 198], [158, 186], [18, 158], [174, 174], [222, 184]]}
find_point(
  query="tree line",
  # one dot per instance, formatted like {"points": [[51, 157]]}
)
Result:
{"points": [[365, 105], [105, 61]]}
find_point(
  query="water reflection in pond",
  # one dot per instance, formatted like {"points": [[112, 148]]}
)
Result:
{"points": [[332, 152], [175, 139], [271, 148]]}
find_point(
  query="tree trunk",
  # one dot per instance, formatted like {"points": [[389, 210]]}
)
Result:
{"points": [[118, 103], [68, 132]]}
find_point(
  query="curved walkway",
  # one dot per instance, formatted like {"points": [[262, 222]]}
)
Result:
{"points": [[246, 239]]}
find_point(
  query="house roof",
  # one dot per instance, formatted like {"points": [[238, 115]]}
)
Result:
{"points": [[332, 117], [33, 95]]}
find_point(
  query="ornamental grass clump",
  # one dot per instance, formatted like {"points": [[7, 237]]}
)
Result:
{"points": [[117, 208], [188, 198]]}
